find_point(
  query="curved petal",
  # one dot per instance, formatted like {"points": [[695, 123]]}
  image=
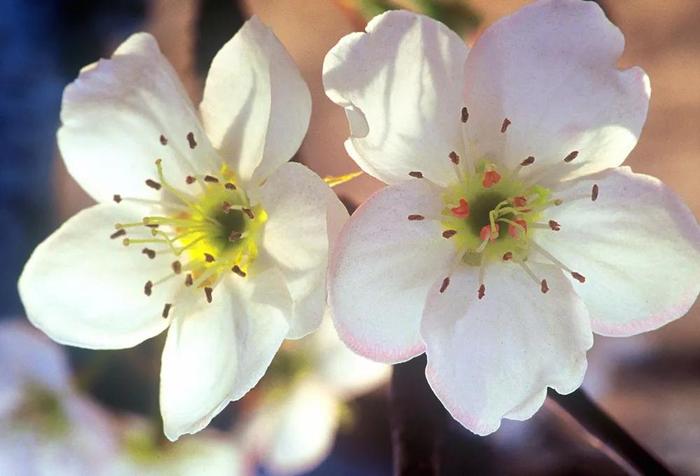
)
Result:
{"points": [[550, 69], [256, 106], [117, 116], [382, 268], [637, 245], [401, 85], [216, 352], [304, 216], [85, 290], [494, 357]]}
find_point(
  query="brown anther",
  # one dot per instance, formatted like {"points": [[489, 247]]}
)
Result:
{"points": [[229, 186], [126, 242], [594, 192], [208, 258], [208, 292], [149, 252], [118, 233], [507, 256], [454, 157], [211, 179], [558, 202], [226, 207], [578, 277], [235, 236], [554, 225], [449, 233], [529, 161], [189, 180], [249, 212], [504, 126], [163, 140], [544, 287], [465, 115], [151, 225], [236, 269], [191, 141], [148, 288], [445, 283], [177, 267], [117, 198], [571, 156], [166, 310], [188, 280], [416, 217], [153, 184], [482, 292], [416, 174]]}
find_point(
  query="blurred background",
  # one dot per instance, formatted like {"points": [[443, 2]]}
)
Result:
{"points": [[649, 383]]}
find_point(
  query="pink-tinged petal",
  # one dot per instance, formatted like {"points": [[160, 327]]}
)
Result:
{"points": [[494, 357], [551, 70], [382, 268], [400, 84], [256, 106], [216, 352], [637, 245], [84, 289], [304, 216], [122, 114]]}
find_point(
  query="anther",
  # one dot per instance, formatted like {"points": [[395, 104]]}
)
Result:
{"points": [[507, 256], [554, 225], [519, 201], [126, 242], [482, 292], [462, 211], [578, 277], [166, 310], [211, 179], [249, 212], [234, 236], [491, 177], [445, 283], [449, 233], [153, 184], [191, 141], [208, 258], [487, 234], [454, 157], [544, 287], [504, 126], [237, 270], [519, 228], [229, 186], [416, 174], [188, 280], [208, 292], [189, 180], [416, 217], [149, 252], [118, 233], [117, 198], [529, 161], [571, 156], [594, 192], [163, 140], [177, 267], [226, 207], [559, 201], [148, 288], [465, 115]]}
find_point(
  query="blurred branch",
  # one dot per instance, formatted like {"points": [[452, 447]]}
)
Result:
{"points": [[612, 437]]}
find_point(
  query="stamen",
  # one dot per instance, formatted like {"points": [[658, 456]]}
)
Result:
{"points": [[519, 201], [229, 186], [507, 256], [237, 270], [166, 310], [487, 233], [416, 174], [188, 280], [529, 161], [118, 233], [491, 178], [163, 140], [153, 184], [416, 217], [148, 288], [544, 287], [209, 258], [578, 277], [465, 115], [482, 291], [554, 225], [249, 212], [571, 156], [149, 252], [177, 267], [208, 292], [234, 236], [454, 157], [449, 233], [211, 179], [445, 283], [516, 228], [191, 141], [461, 211], [594, 192], [117, 198], [189, 180], [504, 126]]}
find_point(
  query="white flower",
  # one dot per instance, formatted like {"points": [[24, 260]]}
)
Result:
{"points": [[214, 234], [292, 425], [46, 428], [524, 235]]}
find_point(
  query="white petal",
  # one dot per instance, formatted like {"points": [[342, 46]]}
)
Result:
{"points": [[382, 268], [216, 352], [256, 106], [86, 290], [401, 85], [551, 70], [494, 357], [304, 215], [113, 117], [637, 245]]}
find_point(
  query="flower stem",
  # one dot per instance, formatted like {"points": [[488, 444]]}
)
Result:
{"points": [[612, 438], [418, 421]]}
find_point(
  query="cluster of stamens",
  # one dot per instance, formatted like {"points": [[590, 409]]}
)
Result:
{"points": [[208, 226]]}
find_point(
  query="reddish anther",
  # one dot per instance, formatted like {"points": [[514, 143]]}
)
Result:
{"points": [[491, 178], [519, 201], [516, 231], [487, 234], [578, 277], [462, 211]]}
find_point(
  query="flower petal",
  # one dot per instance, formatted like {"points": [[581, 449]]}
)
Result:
{"points": [[382, 268], [550, 69], [256, 106], [216, 352], [494, 357], [401, 86], [115, 116], [304, 215], [637, 245], [85, 290]]}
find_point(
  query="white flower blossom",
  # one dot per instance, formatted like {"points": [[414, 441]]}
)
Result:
{"points": [[508, 232], [214, 236]]}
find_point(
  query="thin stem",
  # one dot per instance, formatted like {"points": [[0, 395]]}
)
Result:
{"points": [[612, 438]]}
